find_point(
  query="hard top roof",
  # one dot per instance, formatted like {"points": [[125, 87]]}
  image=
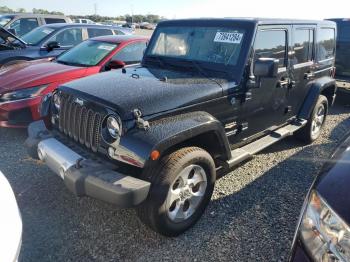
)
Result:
{"points": [[254, 20]]}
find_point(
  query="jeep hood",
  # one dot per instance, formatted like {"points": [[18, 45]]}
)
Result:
{"points": [[150, 90], [4, 34]]}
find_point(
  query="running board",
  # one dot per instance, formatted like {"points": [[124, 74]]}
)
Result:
{"points": [[246, 152]]}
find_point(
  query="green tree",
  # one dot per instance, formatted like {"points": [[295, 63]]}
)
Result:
{"points": [[5, 9], [21, 10]]}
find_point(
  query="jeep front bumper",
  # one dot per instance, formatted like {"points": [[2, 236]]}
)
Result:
{"points": [[82, 176]]}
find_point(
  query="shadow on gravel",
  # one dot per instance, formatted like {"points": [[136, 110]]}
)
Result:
{"points": [[273, 201]]}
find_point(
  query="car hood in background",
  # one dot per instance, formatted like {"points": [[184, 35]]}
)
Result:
{"points": [[36, 73], [150, 90], [333, 183], [10, 222]]}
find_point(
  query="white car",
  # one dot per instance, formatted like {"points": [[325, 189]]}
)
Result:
{"points": [[10, 223]]}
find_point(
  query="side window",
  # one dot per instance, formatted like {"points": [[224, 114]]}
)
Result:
{"points": [[131, 53], [24, 25], [93, 32], [54, 20], [303, 45], [326, 44], [69, 37], [271, 44]]}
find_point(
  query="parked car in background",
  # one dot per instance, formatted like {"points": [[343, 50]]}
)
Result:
{"points": [[209, 95], [22, 23], [84, 21], [148, 26], [10, 223], [22, 86], [342, 61], [323, 231], [51, 40]]}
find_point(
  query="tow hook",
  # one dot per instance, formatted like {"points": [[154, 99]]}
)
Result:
{"points": [[141, 123]]}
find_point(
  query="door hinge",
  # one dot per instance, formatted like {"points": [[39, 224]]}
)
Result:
{"points": [[140, 122]]}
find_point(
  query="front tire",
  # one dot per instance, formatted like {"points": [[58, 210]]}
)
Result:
{"points": [[313, 128], [181, 189]]}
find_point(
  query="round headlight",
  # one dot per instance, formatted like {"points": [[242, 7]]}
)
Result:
{"points": [[113, 126], [57, 101]]}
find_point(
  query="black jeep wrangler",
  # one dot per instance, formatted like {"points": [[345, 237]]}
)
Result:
{"points": [[210, 93]]}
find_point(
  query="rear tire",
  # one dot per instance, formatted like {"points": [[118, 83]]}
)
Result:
{"points": [[313, 128], [181, 189]]}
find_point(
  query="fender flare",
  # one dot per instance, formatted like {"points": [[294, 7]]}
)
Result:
{"points": [[168, 132], [315, 90]]}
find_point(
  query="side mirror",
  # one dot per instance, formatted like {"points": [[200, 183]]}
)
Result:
{"points": [[52, 45], [116, 64], [266, 67], [12, 31]]}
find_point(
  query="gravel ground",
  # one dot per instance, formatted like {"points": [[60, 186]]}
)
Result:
{"points": [[251, 217]]}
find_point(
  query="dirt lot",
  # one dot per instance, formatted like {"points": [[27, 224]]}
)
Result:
{"points": [[251, 217]]}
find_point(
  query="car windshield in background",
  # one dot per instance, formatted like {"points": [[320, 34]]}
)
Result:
{"points": [[201, 44], [38, 34], [4, 19], [88, 53]]}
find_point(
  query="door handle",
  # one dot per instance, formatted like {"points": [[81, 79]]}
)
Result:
{"points": [[308, 75], [283, 83]]}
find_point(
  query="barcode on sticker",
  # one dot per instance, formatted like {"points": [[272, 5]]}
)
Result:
{"points": [[232, 38], [105, 47]]}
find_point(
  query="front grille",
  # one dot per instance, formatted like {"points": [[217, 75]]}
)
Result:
{"points": [[80, 123]]}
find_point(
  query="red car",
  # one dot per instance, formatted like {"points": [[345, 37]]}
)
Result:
{"points": [[22, 86]]}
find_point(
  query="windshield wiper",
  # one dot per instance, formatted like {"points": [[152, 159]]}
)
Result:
{"points": [[159, 60], [201, 70]]}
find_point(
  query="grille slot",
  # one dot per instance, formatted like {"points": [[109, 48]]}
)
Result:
{"points": [[80, 123]]}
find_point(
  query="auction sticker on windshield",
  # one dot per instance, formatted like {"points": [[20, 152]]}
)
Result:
{"points": [[225, 37], [106, 47]]}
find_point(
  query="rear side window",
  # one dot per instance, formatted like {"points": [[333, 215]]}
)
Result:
{"points": [[271, 44], [54, 20], [69, 37], [303, 45], [93, 32], [132, 53], [24, 25], [326, 44]]}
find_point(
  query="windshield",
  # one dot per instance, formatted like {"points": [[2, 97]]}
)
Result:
{"points": [[217, 45], [88, 53], [38, 34], [4, 19]]}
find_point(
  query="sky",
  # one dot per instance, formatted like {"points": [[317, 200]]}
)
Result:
{"points": [[303, 9]]}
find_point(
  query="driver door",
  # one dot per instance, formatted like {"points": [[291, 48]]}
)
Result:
{"points": [[267, 106]]}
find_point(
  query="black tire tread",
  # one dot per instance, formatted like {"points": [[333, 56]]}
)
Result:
{"points": [[166, 164]]}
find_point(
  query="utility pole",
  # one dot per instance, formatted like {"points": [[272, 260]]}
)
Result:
{"points": [[132, 14], [95, 8]]}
